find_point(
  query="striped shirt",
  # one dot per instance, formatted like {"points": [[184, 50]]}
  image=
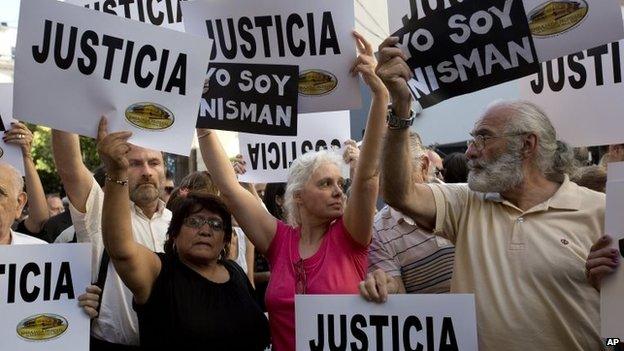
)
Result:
{"points": [[423, 261]]}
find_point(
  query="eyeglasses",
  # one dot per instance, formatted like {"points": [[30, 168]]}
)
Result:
{"points": [[478, 141], [300, 277], [197, 222]]}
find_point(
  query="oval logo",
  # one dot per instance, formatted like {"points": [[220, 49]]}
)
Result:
{"points": [[149, 115], [43, 326], [316, 82], [556, 16]]}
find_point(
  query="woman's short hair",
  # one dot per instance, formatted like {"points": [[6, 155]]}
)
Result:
{"points": [[196, 181], [298, 175], [195, 202]]}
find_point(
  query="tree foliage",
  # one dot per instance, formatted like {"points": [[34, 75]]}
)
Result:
{"points": [[44, 161]]}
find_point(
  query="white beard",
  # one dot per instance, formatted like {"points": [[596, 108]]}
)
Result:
{"points": [[496, 176]]}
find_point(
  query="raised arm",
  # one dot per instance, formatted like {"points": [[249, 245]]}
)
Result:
{"points": [[37, 206], [256, 222], [76, 178], [137, 266], [399, 189], [360, 209]]}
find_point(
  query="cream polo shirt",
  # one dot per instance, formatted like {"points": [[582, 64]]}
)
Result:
{"points": [[526, 268], [117, 322]]}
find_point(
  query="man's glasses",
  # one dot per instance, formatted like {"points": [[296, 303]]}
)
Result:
{"points": [[300, 278], [197, 222], [478, 141]]}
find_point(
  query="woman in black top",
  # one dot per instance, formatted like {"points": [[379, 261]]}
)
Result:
{"points": [[188, 296]]}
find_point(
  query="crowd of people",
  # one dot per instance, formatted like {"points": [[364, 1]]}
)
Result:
{"points": [[513, 221]]}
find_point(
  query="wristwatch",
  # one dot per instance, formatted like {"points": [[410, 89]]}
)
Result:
{"points": [[394, 122]]}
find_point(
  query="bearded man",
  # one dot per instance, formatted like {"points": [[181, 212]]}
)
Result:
{"points": [[117, 327], [522, 231]]}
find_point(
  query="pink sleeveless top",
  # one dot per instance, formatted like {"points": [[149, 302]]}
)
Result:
{"points": [[336, 268]]}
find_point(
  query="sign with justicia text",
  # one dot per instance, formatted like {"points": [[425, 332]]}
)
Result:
{"points": [[164, 13], [74, 65], [404, 322], [269, 157], [39, 289], [582, 94], [314, 35]]}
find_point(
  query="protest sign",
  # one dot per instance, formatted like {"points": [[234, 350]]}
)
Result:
{"points": [[472, 45], [39, 288], [404, 322], [314, 35], [164, 13], [612, 289], [9, 153], [268, 157], [74, 65], [250, 98], [582, 95]]}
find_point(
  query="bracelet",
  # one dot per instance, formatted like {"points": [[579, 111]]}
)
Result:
{"points": [[205, 134], [122, 182]]}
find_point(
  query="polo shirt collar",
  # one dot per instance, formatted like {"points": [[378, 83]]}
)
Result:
{"points": [[398, 217], [565, 198]]}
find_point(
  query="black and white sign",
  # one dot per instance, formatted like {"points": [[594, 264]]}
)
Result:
{"points": [[39, 289], [74, 65], [404, 322], [582, 94], [268, 157], [164, 13], [250, 98], [467, 47], [314, 35]]}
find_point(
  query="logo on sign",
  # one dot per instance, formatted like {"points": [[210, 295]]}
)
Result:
{"points": [[316, 82], [556, 17], [148, 115], [42, 327]]}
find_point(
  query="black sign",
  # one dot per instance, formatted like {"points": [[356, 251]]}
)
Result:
{"points": [[467, 47], [250, 98]]}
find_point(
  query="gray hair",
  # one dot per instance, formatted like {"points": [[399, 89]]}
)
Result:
{"points": [[18, 181], [554, 158], [298, 175]]}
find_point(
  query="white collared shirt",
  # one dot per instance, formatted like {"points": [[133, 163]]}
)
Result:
{"points": [[117, 322], [23, 239]]}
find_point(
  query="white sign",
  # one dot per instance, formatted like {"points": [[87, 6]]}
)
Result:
{"points": [[157, 12], [39, 288], [9, 153], [268, 157], [404, 322], [582, 95], [146, 79], [315, 35], [612, 289]]}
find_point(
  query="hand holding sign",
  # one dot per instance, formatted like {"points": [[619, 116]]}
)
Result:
{"points": [[394, 72], [113, 148], [602, 260], [365, 65], [19, 135]]}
